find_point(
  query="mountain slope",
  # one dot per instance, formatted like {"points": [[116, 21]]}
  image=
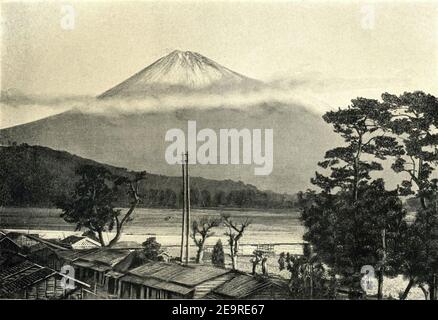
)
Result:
{"points": [[120, 134], [181, 71], [137, 141], [36, 176]]}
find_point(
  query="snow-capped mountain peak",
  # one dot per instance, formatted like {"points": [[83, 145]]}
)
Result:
{"points": [[180, 71]]}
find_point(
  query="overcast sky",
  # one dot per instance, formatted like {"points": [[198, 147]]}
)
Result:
{"points": [[264, 40]]}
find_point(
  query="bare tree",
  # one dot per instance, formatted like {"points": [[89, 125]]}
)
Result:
{"points": [[201, 231], [234, 234], [133, 192]]}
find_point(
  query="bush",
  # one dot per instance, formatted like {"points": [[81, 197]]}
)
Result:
{"points": [[218, 256]]}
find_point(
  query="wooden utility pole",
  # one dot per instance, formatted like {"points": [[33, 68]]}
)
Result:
{"points": [[187, 185], [311, 271], [185, 248], [183, 225]]}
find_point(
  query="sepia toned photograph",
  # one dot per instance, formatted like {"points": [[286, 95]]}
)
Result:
{"points": [[219, 150]]}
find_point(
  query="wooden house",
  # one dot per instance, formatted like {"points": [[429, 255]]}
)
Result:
{"points": [[26, 243], [251, 287], [23, 239], [80, 243], [7, 245], [164, 280], [18, 242], [92, 267], [23, 279], [57, 257]]}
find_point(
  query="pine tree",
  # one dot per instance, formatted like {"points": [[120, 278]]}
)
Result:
{"points": [[218, 256], [151, 249], [414, 119], [350, 221]]}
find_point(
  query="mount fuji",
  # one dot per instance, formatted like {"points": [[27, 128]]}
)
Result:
{"points": [[136, 139], [181, 72]]}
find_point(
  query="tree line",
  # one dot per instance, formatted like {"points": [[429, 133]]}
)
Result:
{"points": [[353, 219], [38, 176], [202, 198]]}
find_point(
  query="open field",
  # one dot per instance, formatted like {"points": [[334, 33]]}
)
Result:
{"points": [[164, 224]]}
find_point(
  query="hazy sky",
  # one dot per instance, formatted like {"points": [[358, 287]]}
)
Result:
{"points": [[113, 40], [331, 51]]}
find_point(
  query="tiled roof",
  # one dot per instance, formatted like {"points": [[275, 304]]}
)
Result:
{"points": [[49, 242], [184, 279], [158, 284], [106, 256], [92, 265], [15, 269], [4, 239], [24, 274], [72, 255], [25, 280], [72, 239], [173, 287], [37, 247], [242, 285], [15, 235], [190, 275]]}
